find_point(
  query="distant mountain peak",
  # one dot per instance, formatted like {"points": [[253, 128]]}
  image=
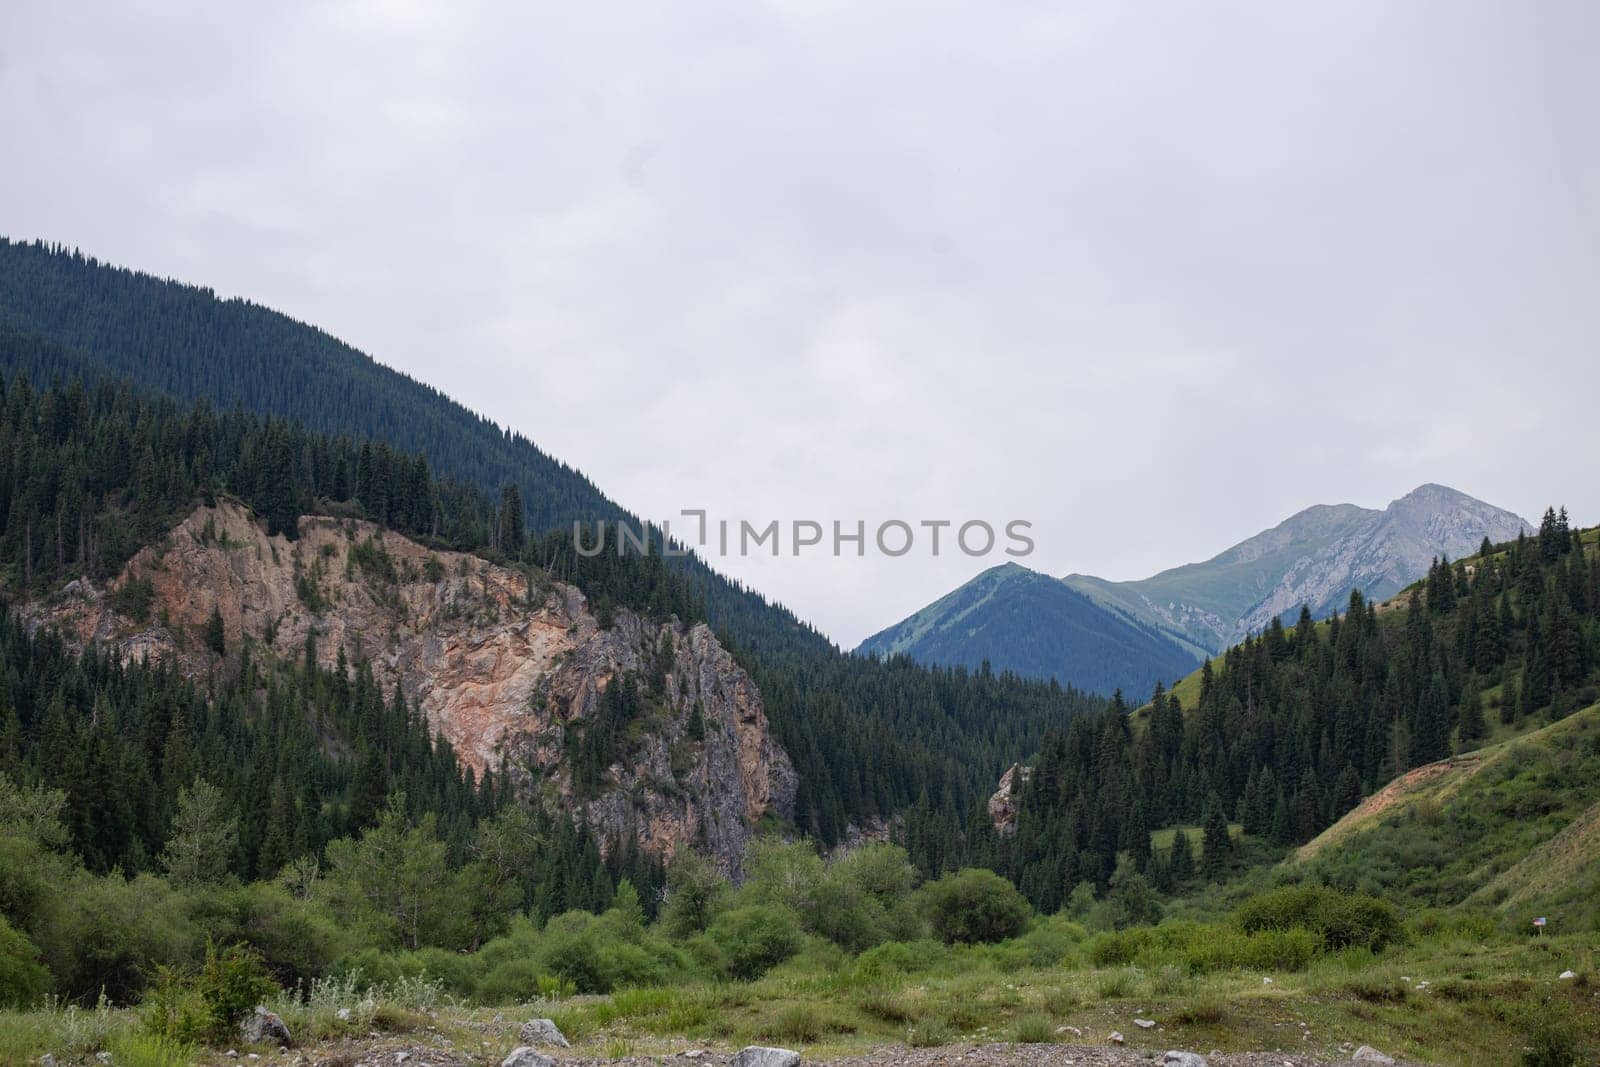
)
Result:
{"points": [[1314, 557]]}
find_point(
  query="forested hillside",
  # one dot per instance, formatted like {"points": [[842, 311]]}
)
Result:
{"points": [[1292, 728], [1022, 621], [65, 315], [95, 473]]}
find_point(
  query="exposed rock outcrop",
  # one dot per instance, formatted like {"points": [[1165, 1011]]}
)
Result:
{"points": [[1003, 805], [503, 666]]}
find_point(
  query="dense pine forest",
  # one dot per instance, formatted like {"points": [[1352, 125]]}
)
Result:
{"points": [[96, 472], [67, 316], [1293, 727]]}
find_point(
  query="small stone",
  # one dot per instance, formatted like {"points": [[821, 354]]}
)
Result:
{"points": [[262, 1027], [343, 1015], [527, 1057], [1145, 1024], [1266, 981], [1182, 1059], [1368, 1054], [761, 1056], [1073, 1030], [103, 1057], [1569, 974], [401, 1057], [1117, 1038], [231, 1054], [47, 1060], [498, 1018], [694, 1053], [542, 1033]]}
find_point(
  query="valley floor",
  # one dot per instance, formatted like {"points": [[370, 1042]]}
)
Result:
{"points": [[1445, 1001]]}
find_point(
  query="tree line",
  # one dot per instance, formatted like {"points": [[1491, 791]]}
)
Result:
{"points": [[1294, 726]]}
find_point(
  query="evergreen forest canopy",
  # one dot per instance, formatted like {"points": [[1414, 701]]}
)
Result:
{"points": [[1297, 725], [95, 473], [64, 315]]}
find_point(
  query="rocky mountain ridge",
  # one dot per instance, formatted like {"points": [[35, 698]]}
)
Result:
{"points": [[504, 665], [1314, 557]]}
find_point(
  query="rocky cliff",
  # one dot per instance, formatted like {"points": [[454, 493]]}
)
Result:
{"points": [[503, 665]]}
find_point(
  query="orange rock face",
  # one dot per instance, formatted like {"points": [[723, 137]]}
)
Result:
{"points": [[502, 667]]}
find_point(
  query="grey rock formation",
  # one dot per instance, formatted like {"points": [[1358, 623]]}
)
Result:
{"points": [[1368, 1054], [543, 1033], [262, 1027], [524, 1056], [1315, 557], [757, 1056]]}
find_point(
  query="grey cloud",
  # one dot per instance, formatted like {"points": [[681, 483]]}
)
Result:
{"points": [[1152, 276]]}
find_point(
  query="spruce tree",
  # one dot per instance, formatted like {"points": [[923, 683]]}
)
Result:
{"points": [[1217, 842]]}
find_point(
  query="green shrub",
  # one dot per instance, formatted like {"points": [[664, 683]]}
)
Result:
{"points": [[1115, 985], [1202, 948], [150, 1050], [756, 938], [1223, 948], [207, 1006], [296, 940], [1121, 947], [1339, 919], [886, 1007], [23, 979], [974, 906], [801, 1024], [1052, 940], [1552, 1043], [930, 1033], [133, 599], [108, 935], [1034, 1030], [900, 957]]}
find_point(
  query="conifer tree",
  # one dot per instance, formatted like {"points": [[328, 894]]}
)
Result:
{"points": [[1217, 843]]}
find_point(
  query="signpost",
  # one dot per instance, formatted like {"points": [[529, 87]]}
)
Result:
{"points": [[1539, 925]]}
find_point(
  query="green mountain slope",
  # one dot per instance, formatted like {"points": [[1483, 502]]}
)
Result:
{"points": [[1514, 826], [1018, 620], [867, 739], [1290, 730], [66, 314]]}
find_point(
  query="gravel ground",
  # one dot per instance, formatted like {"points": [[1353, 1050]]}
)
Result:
{"points": [[993, 1055]]}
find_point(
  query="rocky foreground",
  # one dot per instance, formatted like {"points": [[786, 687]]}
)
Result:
{"points": [[544, 1045], [997, 1055]]}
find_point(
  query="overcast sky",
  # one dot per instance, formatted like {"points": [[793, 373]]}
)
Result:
{"points": [[1150, 276]]}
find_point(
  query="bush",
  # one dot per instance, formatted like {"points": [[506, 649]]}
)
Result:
{"points": [[1552, 1043], [899, 957], [108, 935], [146, 1050], [296, 940], [930, 1033], [974, 906], [23, 979], [1200, 948], [133, 599], [1341, 920], [208, 1006], [1034, 1030], [756, 938], [1052, 940]]}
